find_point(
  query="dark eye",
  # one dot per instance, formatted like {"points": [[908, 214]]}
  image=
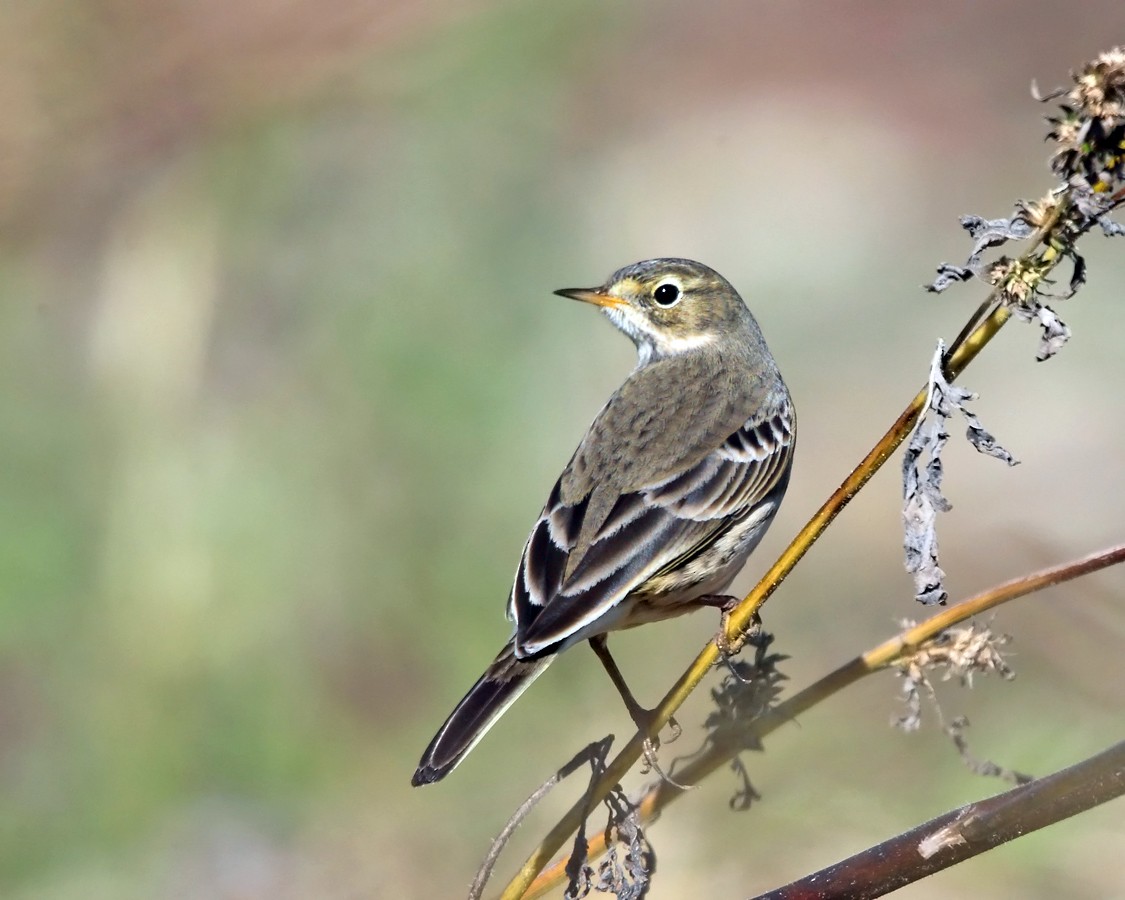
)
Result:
{"points": [[666, 294]]}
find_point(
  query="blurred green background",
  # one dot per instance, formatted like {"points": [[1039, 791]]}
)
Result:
{"points": [[284, 387]]}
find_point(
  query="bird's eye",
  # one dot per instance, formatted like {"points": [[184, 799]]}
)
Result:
{"points": [[666, 295]]}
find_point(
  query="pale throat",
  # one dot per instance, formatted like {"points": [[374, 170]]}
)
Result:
{"points": [[652, 342]]}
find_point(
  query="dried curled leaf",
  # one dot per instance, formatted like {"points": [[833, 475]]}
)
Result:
{"points": [[986, 233], [1111, 228], [627, 876], [922, 501], [1055, 331], [947, 274], [983, 441], [921, 484], [1092, 208], [994, 232]]}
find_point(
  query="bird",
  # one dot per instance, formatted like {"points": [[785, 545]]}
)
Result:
{"points": [[666, 496]]}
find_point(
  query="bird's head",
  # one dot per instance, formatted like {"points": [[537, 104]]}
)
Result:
{"points": [[668, 306]]}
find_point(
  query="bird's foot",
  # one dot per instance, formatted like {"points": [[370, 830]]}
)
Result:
{"points": [[726, 605], [652, 744], [644, 720]]}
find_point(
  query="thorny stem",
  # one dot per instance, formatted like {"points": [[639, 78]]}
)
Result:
{"points": [[960, 354], [661, 793]]}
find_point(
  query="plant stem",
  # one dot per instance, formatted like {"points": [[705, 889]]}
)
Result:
{"points": [[662, 793]]}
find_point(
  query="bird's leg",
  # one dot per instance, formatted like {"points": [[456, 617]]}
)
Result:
{"points": [[641, 717], [726, 604]]}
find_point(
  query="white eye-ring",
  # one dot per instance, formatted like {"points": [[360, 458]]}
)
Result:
{"points": [[667, 294]]}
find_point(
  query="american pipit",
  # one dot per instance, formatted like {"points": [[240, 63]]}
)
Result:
{"points": [[666, 496]]}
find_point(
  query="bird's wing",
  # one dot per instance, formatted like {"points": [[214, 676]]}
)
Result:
{"points": [[648, 532]]}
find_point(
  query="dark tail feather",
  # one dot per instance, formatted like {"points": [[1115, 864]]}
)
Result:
{"points": [[487, 700]]}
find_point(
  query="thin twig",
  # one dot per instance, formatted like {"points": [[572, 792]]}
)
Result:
{"points": [[591, 753]]}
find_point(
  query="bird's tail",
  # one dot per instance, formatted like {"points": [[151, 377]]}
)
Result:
{"points": [[487, 700]]}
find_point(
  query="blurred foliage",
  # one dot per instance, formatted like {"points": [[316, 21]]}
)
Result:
{"points": [[283, 387]]}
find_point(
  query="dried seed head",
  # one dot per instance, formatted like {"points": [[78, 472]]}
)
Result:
{"points": [[1037, 212], [1090, 131], [1100, 87]]}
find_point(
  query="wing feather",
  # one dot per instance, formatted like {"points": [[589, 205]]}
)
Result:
{"points": [[647, 532]]}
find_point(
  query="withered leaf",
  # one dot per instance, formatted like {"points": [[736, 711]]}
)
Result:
{"points": [[948, 274], [985, 233], [1055, 331], [921, 484]]}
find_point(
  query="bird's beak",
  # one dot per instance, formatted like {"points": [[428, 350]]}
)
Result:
{"points": [[591, 295]]}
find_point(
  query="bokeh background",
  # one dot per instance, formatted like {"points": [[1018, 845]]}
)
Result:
{"points": [[284, 386]]}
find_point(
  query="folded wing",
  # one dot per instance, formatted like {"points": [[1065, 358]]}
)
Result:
{"points": [[648, 532]]}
